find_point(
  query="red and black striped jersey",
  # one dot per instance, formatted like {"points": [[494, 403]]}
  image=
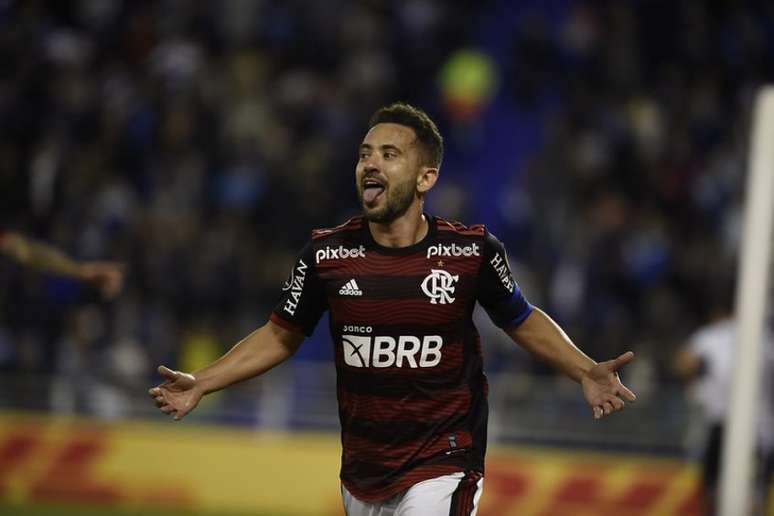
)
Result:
{"points": [[410, 383]]}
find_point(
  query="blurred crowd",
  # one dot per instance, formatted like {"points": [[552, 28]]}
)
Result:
{"points": [[604, 142]]}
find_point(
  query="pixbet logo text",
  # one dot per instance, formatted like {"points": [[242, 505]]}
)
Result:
{"points": [[453, 250], [339, 253]]}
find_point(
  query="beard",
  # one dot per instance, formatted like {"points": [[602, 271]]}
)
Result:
{"points": [[399, 199]]}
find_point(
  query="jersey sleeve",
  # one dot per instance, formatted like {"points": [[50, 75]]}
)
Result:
{"points": [[497, 291], [303, 299]]}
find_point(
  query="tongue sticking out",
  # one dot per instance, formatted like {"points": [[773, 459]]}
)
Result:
{"points": [[371, 193]]}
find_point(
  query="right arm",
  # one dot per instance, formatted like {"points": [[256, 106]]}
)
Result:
{"points": [[295, 315], [263, 349]]}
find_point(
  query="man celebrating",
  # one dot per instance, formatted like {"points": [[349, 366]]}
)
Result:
{"points": [[401, 286]]}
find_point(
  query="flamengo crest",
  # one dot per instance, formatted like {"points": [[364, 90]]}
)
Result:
{"points": [[439, 286]]}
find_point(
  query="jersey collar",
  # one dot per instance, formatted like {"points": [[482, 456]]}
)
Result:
{"points": [[423, 244]]}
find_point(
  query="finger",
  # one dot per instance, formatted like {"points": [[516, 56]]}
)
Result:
{"points": [[621, 360], [167, 373], [166, 409], [627, 394], [597, 412], [617, 403], [607, 408], [154, 391], [160, 399], [181, 413]]}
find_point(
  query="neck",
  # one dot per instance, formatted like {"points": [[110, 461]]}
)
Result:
{"points": [[406, 230]]}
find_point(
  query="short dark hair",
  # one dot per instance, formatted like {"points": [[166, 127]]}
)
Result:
{"points": [[426, 130]]}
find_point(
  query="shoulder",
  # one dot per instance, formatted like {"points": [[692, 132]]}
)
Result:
{"points": [[476, 235], [458, 228], [348, 228], [452, 229], [712, 338]]}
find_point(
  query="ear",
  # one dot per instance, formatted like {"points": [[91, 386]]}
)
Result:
{"points": [[426, 179]]}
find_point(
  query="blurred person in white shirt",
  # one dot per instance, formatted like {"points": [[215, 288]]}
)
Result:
{"points": [[706, 362]]}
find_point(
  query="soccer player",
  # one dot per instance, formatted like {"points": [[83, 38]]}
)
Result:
{"points": [[401, 286], [108, 277]]}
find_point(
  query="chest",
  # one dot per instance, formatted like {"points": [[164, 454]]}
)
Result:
{"points": [[434, 285]]}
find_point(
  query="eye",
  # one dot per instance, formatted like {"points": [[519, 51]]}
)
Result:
{"points": [[389, 155], [363, 155]]}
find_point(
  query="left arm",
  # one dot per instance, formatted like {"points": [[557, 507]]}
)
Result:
{"points": [[602, 388], [542, 337], [531, 328]]}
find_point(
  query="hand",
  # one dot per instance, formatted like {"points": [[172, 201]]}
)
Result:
{"points": [[106, 276], [178, 395], [603, 389]]}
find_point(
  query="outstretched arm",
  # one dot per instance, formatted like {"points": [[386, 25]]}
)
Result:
{"points": [[263, 349], [107, 276], [602, 388]]}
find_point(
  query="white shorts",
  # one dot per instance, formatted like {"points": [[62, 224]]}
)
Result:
{"points": [[449, 495]]}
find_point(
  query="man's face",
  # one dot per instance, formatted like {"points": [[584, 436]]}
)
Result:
{"points": [[387, 170]]}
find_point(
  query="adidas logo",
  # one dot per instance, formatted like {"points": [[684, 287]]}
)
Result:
{"points": [[351, 289]]}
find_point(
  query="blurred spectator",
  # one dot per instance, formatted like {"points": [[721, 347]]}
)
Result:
{"points": [[107, 276], [82, 384], [707, 363]]}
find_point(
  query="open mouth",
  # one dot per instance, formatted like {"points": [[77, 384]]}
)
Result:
{"points": [[371, 190]]}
